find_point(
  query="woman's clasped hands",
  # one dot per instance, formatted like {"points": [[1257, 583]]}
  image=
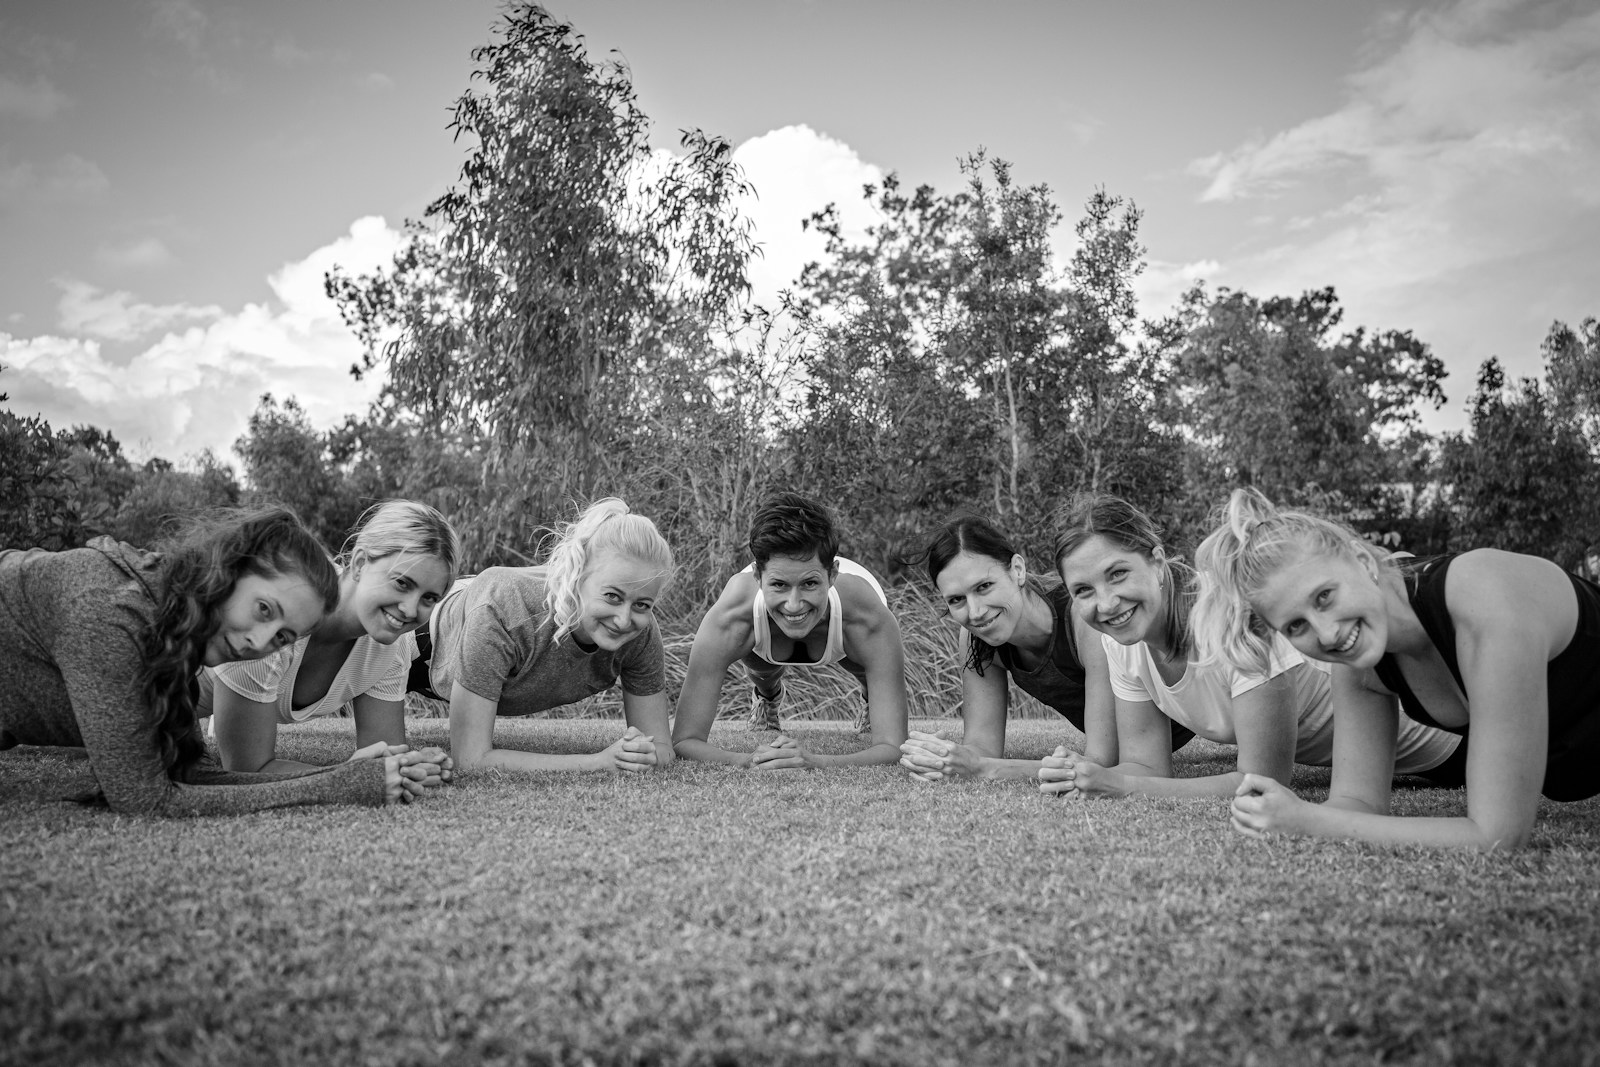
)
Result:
{"points": [[407, 773]]}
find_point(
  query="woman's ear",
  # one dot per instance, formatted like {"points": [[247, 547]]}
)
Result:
{"points": [[1366, 557], [1019, 568]]}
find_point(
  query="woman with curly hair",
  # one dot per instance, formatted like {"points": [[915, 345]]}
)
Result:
{"points": [[100, 648], [520, 640], [398, 565]]}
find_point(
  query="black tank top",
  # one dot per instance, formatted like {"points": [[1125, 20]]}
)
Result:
{"points": [[1058, 681], [1572, 770]]}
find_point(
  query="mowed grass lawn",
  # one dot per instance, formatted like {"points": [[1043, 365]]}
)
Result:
{"points": [[708, 915]]}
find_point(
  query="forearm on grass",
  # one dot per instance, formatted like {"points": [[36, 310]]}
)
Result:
{"points": [[872, 754], [692, 748]]}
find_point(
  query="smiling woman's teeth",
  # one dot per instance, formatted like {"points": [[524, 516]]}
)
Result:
{"points": [[1118, 620], [1349, 642]]}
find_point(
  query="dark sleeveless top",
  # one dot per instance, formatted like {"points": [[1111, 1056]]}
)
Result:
{"points": [[1058, 681], [1572, 768]]}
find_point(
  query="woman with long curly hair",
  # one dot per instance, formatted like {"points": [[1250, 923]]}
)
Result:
{"points": [[100, 648], [397, 566]]}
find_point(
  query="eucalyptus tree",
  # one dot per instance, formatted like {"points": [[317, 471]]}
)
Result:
{"points": [[532, 303]]}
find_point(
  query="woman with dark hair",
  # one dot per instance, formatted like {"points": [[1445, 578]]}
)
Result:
{"points": [[1127, 586], [100, 648], [398, 565], [1012, 627]]}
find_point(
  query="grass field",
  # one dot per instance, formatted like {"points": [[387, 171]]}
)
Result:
{"points": [[708, 915]]}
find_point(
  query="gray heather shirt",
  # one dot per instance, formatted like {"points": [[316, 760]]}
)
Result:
{"points": [[495, 635], [70, 654]]}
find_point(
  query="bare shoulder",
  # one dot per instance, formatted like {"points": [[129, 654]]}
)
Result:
{"points": [[862, 609], [1489, 590], [730, 616]]}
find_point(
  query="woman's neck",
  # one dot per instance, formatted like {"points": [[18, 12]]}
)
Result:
{"points": [[1406, 636], [1036, 623], [341, 625]]}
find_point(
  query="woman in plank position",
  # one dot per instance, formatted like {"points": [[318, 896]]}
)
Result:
{"points": [[1013, 628], [1277, 712], [798, 605], [1501, 642], [100, 647], [520, 640], [400, 562]]}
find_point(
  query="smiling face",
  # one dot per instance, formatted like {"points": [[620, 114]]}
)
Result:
{"points": [[1330, 607], [984, 595], [795, 592], [395, 594], [262, 615], [1119, 591], [616, 599]]}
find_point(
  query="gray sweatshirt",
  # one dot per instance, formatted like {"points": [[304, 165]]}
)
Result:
{"points": [[70, 656]]}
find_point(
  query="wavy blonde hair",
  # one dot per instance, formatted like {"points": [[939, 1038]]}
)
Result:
{"points": [[395, 526], [605, 525], [1252, 543]]}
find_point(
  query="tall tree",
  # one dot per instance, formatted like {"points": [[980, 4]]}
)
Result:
{"points": [[1274, 399], [534, 299]]}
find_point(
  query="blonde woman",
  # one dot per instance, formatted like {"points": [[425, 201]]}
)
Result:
{"points": [[1504, 643], [520, 640], [1277, 712], [398, 564]]}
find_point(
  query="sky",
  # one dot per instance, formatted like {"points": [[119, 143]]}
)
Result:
{"points": [[177, 175]]}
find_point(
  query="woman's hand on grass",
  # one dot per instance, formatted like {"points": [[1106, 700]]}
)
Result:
{"points": [[926, 756], [1262, 805], [634, 751], [782, 753], [1065, 772]]}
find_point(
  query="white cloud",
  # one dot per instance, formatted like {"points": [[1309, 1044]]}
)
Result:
{"points": [[1454, 192], [119, 316], [39, 100], [796, 172], [145, 252], [196, 385], [375, 82]]}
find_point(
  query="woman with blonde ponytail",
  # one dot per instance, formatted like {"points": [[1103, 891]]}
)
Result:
{"points": [[1504, 643], [1125, 584], [519, 640]]}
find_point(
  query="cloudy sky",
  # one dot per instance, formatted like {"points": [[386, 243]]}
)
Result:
{"points": [[176, 175]]}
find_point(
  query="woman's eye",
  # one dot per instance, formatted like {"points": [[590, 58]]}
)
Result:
{"points": [[431, 599], [262, 611], [644, 608], [1294, 628], [1323, 597], [403, 582]]}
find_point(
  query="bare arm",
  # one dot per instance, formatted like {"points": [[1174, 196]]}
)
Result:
{"points": [[650, 716], [472, 742], [1099, 702], [723, 637], [1512, 615], [872, 639], [247, 731]]}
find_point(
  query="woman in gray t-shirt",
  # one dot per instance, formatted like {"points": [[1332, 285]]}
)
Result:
{"points": [[519, 640]]}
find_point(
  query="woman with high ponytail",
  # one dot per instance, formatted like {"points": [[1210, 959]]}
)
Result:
{"points": [[520, 640], [100, 648], [1275, 709], [1504, 643]]}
